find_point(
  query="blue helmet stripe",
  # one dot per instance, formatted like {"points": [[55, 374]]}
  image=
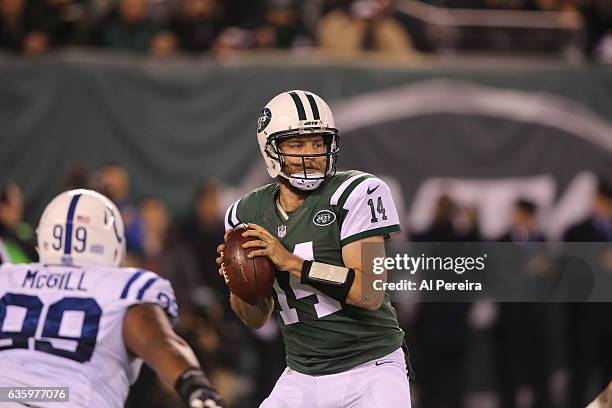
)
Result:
{"points": [[69, 219]]}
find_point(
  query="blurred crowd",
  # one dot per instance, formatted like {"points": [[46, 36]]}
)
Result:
{"points": [[537, 5], [165, 27], [518, 354], [169, 27]]}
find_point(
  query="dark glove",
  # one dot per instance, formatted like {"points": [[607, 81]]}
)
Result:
{"points": [[196, 391]]}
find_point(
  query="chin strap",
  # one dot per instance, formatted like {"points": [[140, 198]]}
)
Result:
{"points": [[306, 184]]}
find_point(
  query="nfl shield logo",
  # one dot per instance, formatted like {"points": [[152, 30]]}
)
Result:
{"points": [[282, 231]]}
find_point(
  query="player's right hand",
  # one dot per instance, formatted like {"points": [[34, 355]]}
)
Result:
{"points": [[208, 400], [196, 391]]}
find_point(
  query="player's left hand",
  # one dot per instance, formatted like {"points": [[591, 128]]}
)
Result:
{"points": [[219, 260], [272, 248]]}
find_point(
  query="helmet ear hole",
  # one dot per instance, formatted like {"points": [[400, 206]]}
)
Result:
{"points": [[271, 151], [274, 154]]}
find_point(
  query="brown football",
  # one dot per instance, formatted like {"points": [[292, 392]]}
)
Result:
{"points": [[250, 279]]}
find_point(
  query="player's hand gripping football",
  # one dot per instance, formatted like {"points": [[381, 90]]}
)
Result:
{"points": [[219, 259], [271, 247]]}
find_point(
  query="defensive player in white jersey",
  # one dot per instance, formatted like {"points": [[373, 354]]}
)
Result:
{"points": [[79, 320]]}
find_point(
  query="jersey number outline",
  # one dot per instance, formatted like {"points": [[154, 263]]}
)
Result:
{"points": [[380, 208], [85, 342], [80, 236], [324, 305]]}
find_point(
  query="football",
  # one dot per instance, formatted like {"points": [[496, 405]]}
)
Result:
{"points": [[250, 279]]}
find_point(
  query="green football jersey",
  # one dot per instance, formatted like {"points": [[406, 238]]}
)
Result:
{"points": [[322, 335]]}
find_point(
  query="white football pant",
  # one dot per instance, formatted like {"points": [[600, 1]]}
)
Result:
{"points": [[380, 383]]}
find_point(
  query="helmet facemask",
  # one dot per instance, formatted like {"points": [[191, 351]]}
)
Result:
{"points": [[304, 180]]}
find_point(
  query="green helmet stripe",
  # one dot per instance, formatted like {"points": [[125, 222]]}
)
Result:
{"points": [[299, 106], [313, 106]]}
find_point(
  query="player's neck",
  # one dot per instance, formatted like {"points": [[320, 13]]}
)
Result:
{"points": [[290, 198]]}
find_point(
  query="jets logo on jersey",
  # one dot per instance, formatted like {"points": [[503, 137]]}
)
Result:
{"points": [[264, 120], [282, 231], [323, 218]]}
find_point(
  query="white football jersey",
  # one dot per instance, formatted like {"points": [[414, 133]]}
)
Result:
{"points": [[62, 327]]}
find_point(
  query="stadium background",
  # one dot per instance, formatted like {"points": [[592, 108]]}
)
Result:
{"points": [[478, 128]]}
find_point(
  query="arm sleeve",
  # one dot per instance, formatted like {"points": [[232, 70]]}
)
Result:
{"points": [[370, 211]]}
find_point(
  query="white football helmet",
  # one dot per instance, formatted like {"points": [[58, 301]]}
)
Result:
{"points": [[81, 228], [291, 114]]}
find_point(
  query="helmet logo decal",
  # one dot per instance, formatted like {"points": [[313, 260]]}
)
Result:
{"points": [[114, 221], [264, 120], [324, 218]]}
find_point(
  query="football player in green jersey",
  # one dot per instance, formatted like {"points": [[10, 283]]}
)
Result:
{"points": [[343, 347]]}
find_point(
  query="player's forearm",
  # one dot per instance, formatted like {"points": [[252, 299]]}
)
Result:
{"points": [[176, 365], [341, 283], [148, 334], [363, 295], [169, 358], [252, 316], [294, 266], [603, 400]]}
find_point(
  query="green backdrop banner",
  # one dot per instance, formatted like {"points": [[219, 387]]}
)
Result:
{"points": [[173, 124]]}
